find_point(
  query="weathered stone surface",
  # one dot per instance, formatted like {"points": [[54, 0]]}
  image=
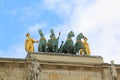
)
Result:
{"points": [[12, 69], [18, 69], [71, 75], [67, 58]]}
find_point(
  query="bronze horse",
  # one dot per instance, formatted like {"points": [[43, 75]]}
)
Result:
{"points": [[66, 48], [42, 42], [78, 45]]}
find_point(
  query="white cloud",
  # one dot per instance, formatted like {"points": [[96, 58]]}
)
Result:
{"points": [[30, 12], [99, 20], [105, 16], [16, 51], [105, 12], [34, 28], [60, 7]]}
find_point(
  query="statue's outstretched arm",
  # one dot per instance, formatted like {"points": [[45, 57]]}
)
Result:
{"points": [[58, 35]]}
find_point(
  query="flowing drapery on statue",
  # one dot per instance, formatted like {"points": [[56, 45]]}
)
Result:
{"points": [[29, 47], [66, 48], [86, 45], [42, 43], [53, 42]]}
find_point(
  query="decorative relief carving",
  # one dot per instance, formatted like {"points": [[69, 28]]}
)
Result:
{"points": [[71, 75], [35, 70]]}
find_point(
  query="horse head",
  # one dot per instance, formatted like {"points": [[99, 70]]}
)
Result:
{"points": [[66, 48], [70, 34], [80, 36], [79, 44], [42, 42], [40, 32]]}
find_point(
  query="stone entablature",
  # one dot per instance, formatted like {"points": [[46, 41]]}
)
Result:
{"points": [[18, 69], [60, 57]]}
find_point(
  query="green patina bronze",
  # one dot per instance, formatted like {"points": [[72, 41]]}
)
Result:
{"points": [[78, 45], [42, 42], [53, 42], [60, 47], [66, 48]]}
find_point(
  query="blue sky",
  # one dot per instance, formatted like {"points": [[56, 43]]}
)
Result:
{"points": [[99, 20]]}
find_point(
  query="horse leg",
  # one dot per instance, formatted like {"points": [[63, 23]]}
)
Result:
{"points": [[68, 49], [81, 51], [43, 48], [85, 53], [61, 50], [39, 47], [56, 49], [74, 51]]}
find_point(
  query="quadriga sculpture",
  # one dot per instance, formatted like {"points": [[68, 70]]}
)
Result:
{"points": [[68, 44], [42, 43], [53, 42], [79, 46]]}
